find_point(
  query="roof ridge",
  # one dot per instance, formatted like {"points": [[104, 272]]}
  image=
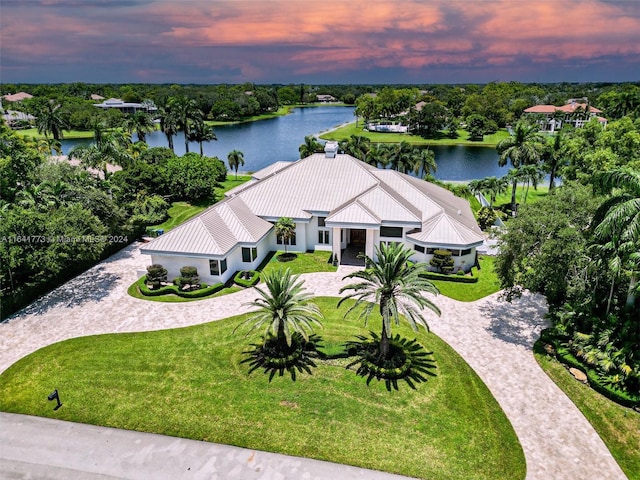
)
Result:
{"points": [[403, 202]]}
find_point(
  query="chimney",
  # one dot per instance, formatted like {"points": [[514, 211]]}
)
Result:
{"points": [[330, 149]]}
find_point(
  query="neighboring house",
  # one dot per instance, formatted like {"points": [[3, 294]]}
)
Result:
{"points": [[16, 120], [552, 118], [126, 107], [17, 97], [95, 96], [338, 204], [326, 98]]}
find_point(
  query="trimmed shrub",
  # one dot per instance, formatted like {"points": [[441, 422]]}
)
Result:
{"points": [[442, 260], [156, 274], [240, 278], [449, 278], [203, 291]]}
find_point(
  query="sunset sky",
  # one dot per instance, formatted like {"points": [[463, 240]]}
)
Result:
{"points": [[316, 42]]}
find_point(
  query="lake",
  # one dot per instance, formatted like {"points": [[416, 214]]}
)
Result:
{"points": [[268, 141]]}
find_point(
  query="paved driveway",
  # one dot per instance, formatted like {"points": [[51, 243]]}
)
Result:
{"points": [[494, 337]]}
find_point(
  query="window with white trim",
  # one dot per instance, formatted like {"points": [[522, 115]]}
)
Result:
{"points": [[418, 248], [249, 254], [323, 237], [393, 232], [217, 267]]}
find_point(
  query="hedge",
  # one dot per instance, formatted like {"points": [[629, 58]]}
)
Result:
{"points": [[255, 277], [449, 278], [565, 357], [174, 290]]}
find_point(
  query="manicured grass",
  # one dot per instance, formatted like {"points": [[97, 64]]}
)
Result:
{"points": [[308, 262], [532, 197], [618, 426], [189, 383], [134, 291], [487, 284], [343, 133], [68, 134], [180, 212]]}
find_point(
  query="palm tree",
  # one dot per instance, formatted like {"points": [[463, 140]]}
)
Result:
{"points": [[523, 147], [168, 124], [400, 157], [394, 284], [617, 220], [285, 229], [283, 308], [552, 158], [185, 112], [309, 147], [49, 120], [235, 159], [140, 123], [201, 133], [495, 186], [424, 162], [531, 175], [358, 146], [49, 146]]}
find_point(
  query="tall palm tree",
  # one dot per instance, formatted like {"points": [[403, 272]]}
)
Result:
{"points": [[358, 146], [186, 113], [309, 147], [284, 308], [202, 132], [617, 220], [49, 120], [424, 162], [285, 229], [168, 124], [140, 123], [235, 159], [495, 186], [531, 175], [395, 285], [552, 158], [400, 157], [523, 147]]}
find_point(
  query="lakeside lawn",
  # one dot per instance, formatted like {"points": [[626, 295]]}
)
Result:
{"points": [[532, 196], [189, 383], [618, 426], [67, 134], [180, 212], [343, 133]]}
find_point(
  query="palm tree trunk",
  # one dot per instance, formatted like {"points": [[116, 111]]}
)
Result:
{"points": [[513, 195], [631, 292], [552, 179], [201, 152]]}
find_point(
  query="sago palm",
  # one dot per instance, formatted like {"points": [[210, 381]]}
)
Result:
{"points": [[284, 308], [395, 286]]}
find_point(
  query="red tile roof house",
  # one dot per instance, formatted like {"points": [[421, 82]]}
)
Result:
{"points": [[338, 203], [17, 97], [552, 118]]}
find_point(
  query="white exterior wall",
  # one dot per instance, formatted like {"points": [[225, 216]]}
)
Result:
{"points": [[311, 235], [301, 240], [173, 263]]}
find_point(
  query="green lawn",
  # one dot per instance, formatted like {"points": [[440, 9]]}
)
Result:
{"points": [[68, 134], [308, 262], [619, 427], [180, 212], [189, 383], [487, 284], [343, 133], [532, 196]]}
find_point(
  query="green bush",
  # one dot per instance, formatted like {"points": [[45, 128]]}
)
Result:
{"points": [[565, 357], [449, 278], [243, 282], [203, 291], [442, 260], [156, 274]]}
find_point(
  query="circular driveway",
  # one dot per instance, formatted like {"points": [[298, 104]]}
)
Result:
{"points": [[494, 337]]}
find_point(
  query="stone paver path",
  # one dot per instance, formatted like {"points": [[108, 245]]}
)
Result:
{"points": [[494, 337]]}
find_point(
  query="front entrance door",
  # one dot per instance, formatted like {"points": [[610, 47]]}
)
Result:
{"points": [[358, 237]]}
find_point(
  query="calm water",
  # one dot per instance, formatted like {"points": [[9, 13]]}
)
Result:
{"points": [[269, 141]]}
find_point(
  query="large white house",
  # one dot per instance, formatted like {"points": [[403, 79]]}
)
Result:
{"points": [[338, 204]]}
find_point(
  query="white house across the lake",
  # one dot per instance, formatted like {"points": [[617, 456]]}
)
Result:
{"points": [[338, 204]]}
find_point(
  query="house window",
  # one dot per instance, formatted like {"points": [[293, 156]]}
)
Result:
{"points": [[323, 237], [321, 221], [217, 267], [465, 252], [249, 254], [431, 251], [395, 232], [292, 240], [418, 248]]}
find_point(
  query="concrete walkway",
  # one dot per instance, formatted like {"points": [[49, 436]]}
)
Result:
{"points": [[494, 337]]}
